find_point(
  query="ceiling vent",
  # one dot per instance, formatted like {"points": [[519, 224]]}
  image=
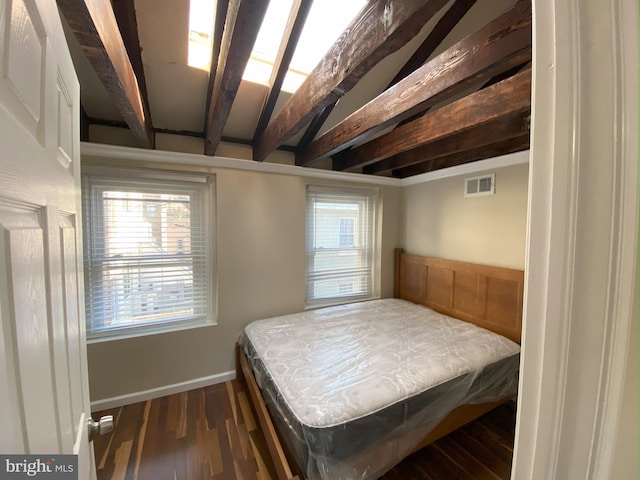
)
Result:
{"points": [[482, 185]]}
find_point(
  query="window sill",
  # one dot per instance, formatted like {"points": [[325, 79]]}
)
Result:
{"points": [[145, 332]]}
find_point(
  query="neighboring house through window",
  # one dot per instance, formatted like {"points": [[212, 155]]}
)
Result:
{"points": [[341, 232], [147, 252], [347, 228]]}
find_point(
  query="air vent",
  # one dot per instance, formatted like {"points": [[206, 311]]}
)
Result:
{"points": [[483, 185]]}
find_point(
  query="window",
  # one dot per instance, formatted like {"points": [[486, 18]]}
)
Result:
{"points": [[147, 255], [341, 226], [201, 15]]}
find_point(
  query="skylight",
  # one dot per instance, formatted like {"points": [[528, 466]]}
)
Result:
{"points": [[201, 13], [326, 21], [267, 44]]}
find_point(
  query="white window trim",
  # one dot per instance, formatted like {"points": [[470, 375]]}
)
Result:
{"points": [[374, 195], [209, 216]]}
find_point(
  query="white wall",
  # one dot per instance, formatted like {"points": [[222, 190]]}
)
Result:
{"points": [[441, 222]]}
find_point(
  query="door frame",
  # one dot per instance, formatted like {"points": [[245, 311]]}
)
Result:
{"points": [[581, 257]]}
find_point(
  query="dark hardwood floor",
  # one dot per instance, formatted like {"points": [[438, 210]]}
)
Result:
{"points": [[211, 433]]}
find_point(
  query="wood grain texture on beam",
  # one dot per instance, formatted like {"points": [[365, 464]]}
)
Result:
{"points": [[94, 25], [299, 13], [222, 7], [449, 20], [495, 48], [380, 29], [504, 147], [510, 96], [315, 125], [125, 13], [226, 12], [420, 56], [497, 78], [424, 51], [497, 130], [244, 18]]}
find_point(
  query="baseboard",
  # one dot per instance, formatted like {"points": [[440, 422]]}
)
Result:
{"points": [[144, 395]]}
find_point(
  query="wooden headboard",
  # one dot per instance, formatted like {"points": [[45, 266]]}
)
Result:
{"points": [[490, 297]]}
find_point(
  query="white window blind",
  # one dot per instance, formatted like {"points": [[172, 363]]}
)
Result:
{"points": [[341, 225], [146, 254]]}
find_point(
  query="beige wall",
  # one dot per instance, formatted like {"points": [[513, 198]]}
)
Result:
{"points": [[626, 462], [260, 259], [441, 222], [182, 143], [260, 273]]}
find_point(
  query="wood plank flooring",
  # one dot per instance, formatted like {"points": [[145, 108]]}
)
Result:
{"points": [[211, 433]]}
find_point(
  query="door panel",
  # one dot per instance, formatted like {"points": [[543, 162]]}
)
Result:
{"points": [[65, 123], [24, 62], [45, 407], [23, 249], [75, 345], [58, 331]]}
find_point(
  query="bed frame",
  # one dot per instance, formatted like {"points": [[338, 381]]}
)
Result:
{"points": [[490, 297]]}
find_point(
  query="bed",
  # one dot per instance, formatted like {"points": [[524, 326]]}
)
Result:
{"points": [[349, 391]]}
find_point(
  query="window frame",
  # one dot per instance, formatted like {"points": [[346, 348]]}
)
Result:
{"points": [[128, 179], [372, 198]]}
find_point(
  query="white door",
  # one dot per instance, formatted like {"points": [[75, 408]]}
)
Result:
{"points": [[44, 407]]}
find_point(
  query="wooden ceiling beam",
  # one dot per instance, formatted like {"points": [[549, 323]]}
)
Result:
{"points": [[94, 25], [242, 24], [503, 147], [222, 7], [497, 47], [495, 79], [449, 20], [497, 130], [315, 125], [382, 27], [509, 97], [299, 13], [125, 13], [420, 56]]}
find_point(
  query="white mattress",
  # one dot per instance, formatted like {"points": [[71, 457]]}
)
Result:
{"points": [[338, 364]]}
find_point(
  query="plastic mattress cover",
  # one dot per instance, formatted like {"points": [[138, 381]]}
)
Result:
{"points": [[354, 388]]}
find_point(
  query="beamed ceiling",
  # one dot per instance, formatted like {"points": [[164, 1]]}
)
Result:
{"points": [[409, 87]]}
